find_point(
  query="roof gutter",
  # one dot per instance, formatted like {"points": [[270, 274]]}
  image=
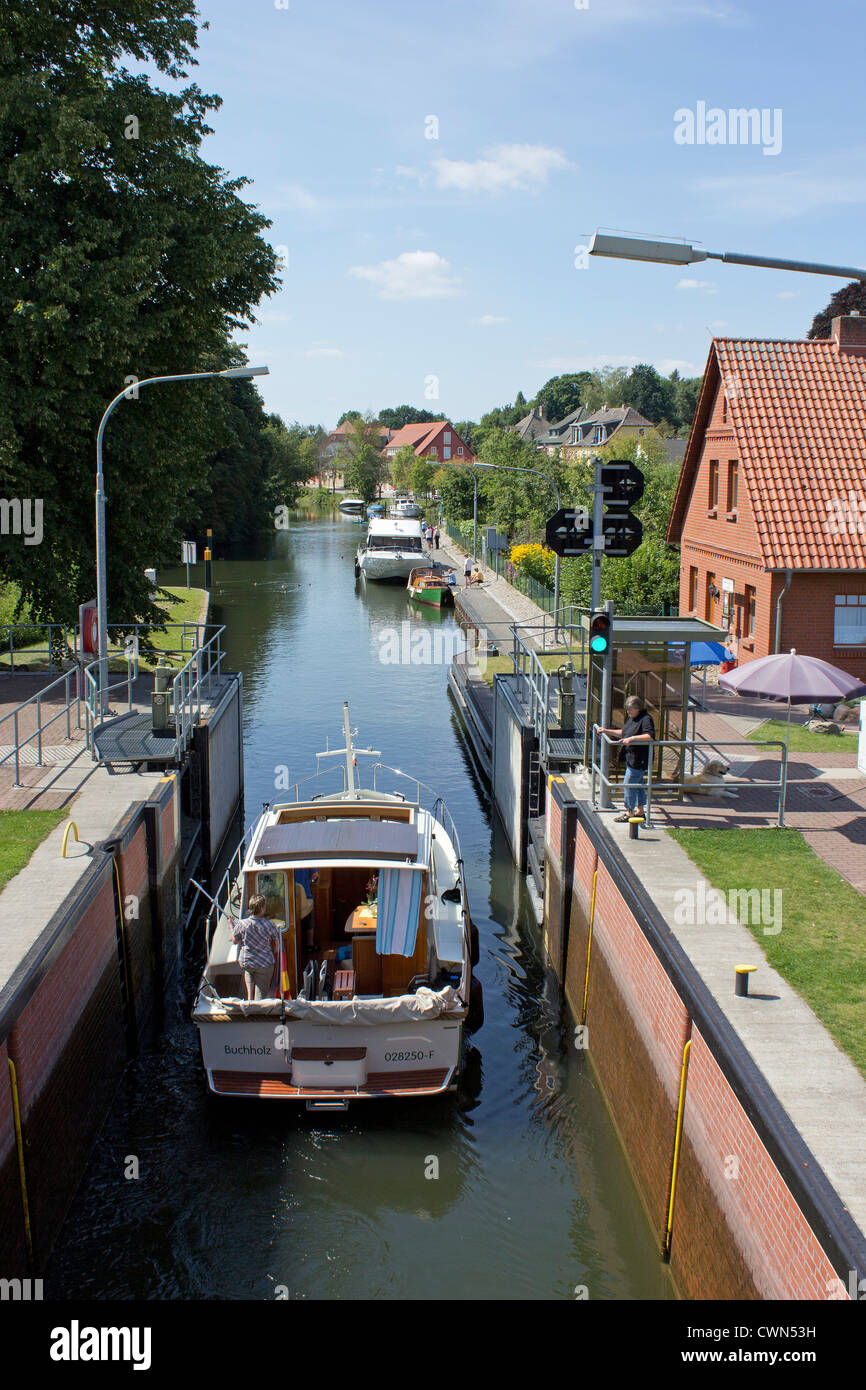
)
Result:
{"points": [[789, 574]]}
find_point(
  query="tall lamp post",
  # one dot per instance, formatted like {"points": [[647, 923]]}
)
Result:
{"points": [[628, 248], [230, 373], [510, 468]]}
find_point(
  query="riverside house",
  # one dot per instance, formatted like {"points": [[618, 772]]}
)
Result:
{"points": [[770, 509]]}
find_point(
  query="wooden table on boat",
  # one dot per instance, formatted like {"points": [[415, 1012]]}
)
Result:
{"points": [[361, 923]]}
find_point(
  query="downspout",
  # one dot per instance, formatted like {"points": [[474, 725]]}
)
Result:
{"points": [[789, 574]]}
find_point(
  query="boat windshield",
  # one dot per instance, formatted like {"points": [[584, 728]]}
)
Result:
{"points": [[401, 543]]}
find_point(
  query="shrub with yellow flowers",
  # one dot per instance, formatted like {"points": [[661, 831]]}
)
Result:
{"points": [[533, 560]]}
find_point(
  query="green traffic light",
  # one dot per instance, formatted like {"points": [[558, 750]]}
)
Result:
{"points": [[598, 644]]}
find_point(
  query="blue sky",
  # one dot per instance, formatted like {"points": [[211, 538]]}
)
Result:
{"points": [[411, 258]]}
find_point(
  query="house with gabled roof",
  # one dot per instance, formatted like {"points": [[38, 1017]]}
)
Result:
{"points": [[560, 432], [770, 509], [607, 426], [532, 427], [437, 441]]}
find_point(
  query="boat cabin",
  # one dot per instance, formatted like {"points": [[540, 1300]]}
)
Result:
{"points": [[367, 899]]}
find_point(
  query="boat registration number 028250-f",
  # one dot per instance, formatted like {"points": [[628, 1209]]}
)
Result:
{"points": [[409, 1056]]}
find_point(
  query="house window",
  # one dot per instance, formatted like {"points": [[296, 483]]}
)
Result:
{"points": [[446, 452], [693, 588], [433, 453], [724, 410], [733, 472], [849, 620], [460, 450], [713, 499], [727, 608], [446, 438], [749, 607]]}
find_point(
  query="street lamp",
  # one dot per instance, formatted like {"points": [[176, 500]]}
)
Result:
{"points": [[511, 468], [628, 248], [231, 374]]}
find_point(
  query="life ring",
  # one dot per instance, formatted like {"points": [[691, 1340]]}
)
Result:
{"points": [[475, 1012]]}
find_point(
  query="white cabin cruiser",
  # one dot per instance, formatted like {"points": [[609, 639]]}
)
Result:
{"points": [[390, 549], [405, 509], [377, 1005]]}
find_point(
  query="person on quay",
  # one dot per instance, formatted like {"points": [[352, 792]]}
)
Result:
{"points": [[467, 571], [635, 736], [259, 941]]}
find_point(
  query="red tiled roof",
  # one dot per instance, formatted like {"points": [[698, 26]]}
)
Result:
{"points": [[798, 411], [415, 434]]}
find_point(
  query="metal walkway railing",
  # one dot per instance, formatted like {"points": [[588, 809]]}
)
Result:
{"points": [[71, 681]]}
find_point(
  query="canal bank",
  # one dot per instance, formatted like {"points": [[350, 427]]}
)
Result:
{"points": [[740, 1117], [92, 941]]}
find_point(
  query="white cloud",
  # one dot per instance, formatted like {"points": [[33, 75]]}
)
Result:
{"points": [[413, 275], [706, 285], [324, 352], [503, 167], [488, 320], [787, 294]]}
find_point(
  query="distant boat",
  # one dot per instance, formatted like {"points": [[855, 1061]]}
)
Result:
{"points": [[405, 509], [375, 509], [430, 584], [352, 506]]}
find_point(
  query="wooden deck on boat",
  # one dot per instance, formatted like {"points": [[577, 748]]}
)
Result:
{"points": [[267, 1086]]}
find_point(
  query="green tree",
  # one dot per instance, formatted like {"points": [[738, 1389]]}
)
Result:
{"points": [[122, 254], [361, 457], [394, 418], [851, 298], [560, 395], [605, 388], [455, 485], [401, 467], [649, 394], [421, 477]]}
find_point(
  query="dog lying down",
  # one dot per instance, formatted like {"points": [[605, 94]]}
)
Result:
{"points": [[710, 781]]}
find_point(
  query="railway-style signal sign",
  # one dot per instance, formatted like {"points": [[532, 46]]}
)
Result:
{"points": [[569, 531], [599, 633]]}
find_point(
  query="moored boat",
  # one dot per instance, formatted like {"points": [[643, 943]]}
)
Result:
{"points": [[431, 584], [390, 550], [406, 509], [377, 1004], [352, 506]]}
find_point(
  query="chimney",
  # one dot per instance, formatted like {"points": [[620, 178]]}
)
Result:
{"points": [[849, 334]]}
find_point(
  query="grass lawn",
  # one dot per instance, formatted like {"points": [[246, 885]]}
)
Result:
{"points": [[186, 610], [803, 740], [20, 833], [503, 665], [821, 948]]}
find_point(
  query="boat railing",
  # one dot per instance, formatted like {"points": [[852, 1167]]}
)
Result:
{"points": [[293, 793], [432, 801], [224, 898]]}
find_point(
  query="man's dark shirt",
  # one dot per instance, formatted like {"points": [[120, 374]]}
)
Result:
{"points": [[637, 754]]}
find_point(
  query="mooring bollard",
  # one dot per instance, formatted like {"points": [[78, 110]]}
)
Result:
{"points": [[741, 979], [634, 824]]}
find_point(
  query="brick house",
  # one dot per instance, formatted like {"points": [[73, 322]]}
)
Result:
{"points": [[770, 509], [589, 433], [435, 440]]}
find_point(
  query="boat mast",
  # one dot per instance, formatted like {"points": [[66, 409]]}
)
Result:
{"points": [[350, 768]]}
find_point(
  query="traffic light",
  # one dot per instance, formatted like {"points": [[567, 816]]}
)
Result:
{"points": [[599, 633]]}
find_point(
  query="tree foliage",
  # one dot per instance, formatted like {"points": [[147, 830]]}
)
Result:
{"points": [[361, 457], [122, 254], [395, 417], [850, 298]]}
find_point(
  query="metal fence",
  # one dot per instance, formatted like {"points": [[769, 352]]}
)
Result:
{"points": [[71, 682]]}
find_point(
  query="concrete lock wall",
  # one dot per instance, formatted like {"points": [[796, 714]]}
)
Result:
{"points": [[754, 1215], [73, 1013], [218, 744]]}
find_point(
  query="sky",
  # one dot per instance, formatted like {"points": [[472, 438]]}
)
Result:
{"points": [[432, 171]]}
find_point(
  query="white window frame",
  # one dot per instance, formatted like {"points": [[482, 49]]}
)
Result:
{"points": [[850, 634]]}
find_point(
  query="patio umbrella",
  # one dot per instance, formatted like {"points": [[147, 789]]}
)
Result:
{"points": [[704, 654], [795, 679]]}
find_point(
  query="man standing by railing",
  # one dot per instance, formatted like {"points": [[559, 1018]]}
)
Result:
{"points": [[635, 736]]}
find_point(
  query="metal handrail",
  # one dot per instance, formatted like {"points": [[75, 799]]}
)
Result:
{"points": [[189, 682], [19, 743], [685, 743], [93, 713]]}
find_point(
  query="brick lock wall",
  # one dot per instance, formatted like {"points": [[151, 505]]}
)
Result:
{"points": [[731, 1239], [69, 1049], [13, 1250], [136, 907], [780, 1252]]}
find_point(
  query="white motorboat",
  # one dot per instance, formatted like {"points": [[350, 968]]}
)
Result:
{"points": [[405, 509], [390, 550], [352, 506], [379, 1005]]}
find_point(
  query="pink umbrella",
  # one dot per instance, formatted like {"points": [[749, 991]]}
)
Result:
{"points": [[798, 680]]}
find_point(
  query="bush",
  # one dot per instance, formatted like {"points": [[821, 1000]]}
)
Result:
{"points": [[535, 561]]}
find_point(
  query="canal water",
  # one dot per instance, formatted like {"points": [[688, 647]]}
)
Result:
{"points": [[244, 1200]]}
